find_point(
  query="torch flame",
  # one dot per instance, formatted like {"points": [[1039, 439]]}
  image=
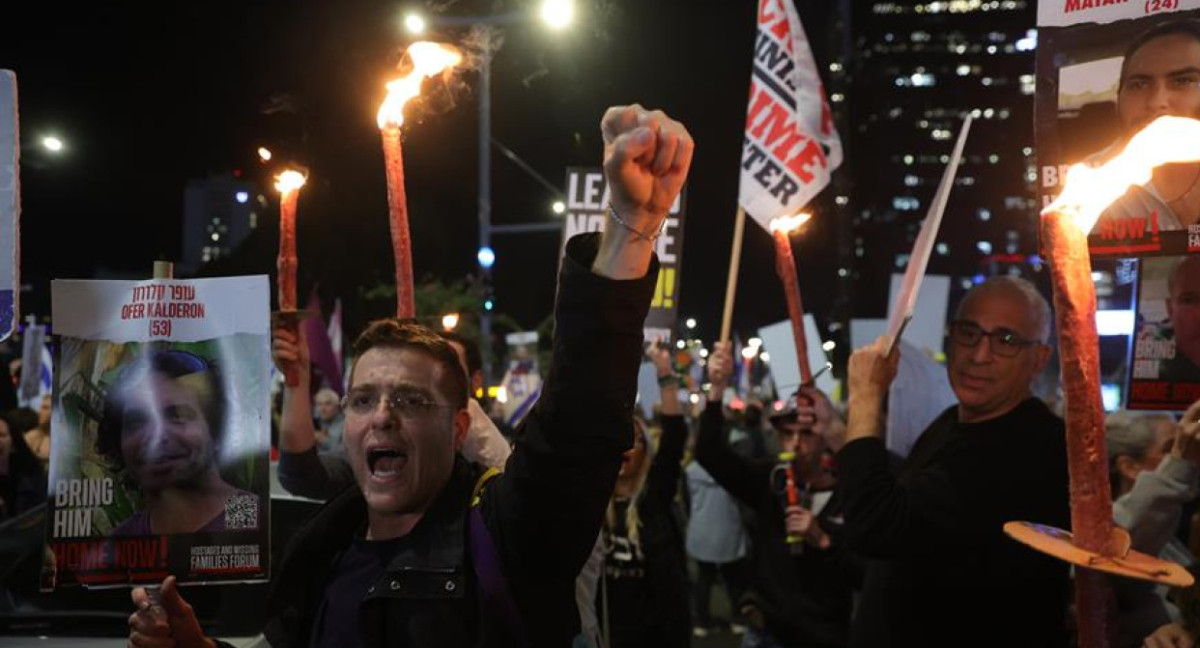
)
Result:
{"points": [[289, 181], [1090, 190], [428, 59], [789, 223]]}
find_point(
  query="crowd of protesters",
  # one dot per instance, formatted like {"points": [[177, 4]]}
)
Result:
{"points": [[589, 525]]}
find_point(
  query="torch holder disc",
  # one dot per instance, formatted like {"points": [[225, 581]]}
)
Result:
{"points": [[1125, 562], [292, 317]]}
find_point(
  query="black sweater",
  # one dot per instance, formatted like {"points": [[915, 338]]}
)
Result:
{"points": [[806, 598], [942, 571]]}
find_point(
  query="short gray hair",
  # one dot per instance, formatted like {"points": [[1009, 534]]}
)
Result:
{"points": [[1039, 308], [1132, 433]]}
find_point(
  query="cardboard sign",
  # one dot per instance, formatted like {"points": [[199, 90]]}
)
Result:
{"points": [[161, 428]]}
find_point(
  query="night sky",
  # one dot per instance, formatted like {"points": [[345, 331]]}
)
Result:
{"points": [[148, 99]]}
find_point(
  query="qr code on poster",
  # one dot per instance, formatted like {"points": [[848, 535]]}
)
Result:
{"points": [[241, 512]]}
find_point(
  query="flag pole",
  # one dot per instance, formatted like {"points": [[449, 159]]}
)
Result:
{"points": [[735, 260]]}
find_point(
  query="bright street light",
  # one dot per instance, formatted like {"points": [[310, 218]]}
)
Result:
{"points": [[557, 13], [690, 323], [264, 154], [52, 144], [414, 23], [559, 207], [450, 321]]}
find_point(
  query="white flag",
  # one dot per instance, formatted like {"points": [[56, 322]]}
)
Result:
{"points": [[791, 147]]}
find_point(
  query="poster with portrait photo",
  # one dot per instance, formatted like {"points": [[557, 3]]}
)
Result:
{"points": [[160, 433], [1164, 372], [1104, 72]]}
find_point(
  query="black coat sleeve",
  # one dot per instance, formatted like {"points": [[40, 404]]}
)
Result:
{"points": [[546, 510], [928, 513], [744, 479], [663, 480], [314, 475]]}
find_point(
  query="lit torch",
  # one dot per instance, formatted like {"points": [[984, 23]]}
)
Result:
{"points": [[288, 184], [785, 266], [428, 59], [1094, 542]]}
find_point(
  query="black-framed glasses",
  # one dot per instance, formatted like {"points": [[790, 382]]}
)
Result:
{"points": [[408, 404], [1005, 342]]}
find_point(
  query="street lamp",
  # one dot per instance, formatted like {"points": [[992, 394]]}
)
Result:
{"points": [[690, 323], [52, 144], [414, 24], [449, 321], [559, 207], [557, 14]]}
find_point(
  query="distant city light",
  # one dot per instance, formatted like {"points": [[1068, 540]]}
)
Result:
{"points": [[486, 257], [52, 144], [449, 321], [559, 207], [690, 323], [242, 197], [264, 154]]}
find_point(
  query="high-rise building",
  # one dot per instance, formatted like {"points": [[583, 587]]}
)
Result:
{"points": [[918, 68], [219, 212]]}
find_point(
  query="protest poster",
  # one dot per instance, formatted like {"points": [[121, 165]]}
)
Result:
{"points": [[587, 202], [161, 428], [10, 204], [1103, 72], [790, 148], [1164, 372]]}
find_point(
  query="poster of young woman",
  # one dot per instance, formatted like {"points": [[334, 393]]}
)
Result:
{"points": [[160, 432]]}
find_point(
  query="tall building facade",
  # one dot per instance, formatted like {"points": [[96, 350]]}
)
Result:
{"points": [[918, 67], [219, 212]]}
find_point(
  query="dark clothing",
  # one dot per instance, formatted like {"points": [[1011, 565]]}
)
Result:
{"points": [[351, 580], [23, 486], [805, 598], [647, 581], [732, 575], [314, 474], [542, 515], [942, 571]]}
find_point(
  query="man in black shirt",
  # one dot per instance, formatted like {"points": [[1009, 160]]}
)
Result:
{"points": [[943, 572], [445, 559]]}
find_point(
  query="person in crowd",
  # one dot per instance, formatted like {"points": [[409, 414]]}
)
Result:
{"points": [[644, 595], [38, 438], [942, 571], [1154, 471], [22, 480], [717, 542], [1160, 75], [306, 472], [163, 425], [1184, 632], [800, 593], [431, 550], [329, 420]]}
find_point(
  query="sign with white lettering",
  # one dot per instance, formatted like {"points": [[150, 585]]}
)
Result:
{"points": [[587, 204]]}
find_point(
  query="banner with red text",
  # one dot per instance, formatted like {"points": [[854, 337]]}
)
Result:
{"points": [[1105, 69], [790, 147], [161, 432]]}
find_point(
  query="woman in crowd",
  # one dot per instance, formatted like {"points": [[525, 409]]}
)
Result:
{"points": [[643, 597]]}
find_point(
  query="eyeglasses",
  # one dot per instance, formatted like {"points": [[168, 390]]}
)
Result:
{"points": [[409, 405], [1005, 342]]}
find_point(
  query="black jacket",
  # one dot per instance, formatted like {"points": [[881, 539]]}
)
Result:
{"points": [[943, 573], [661, 534], [806, 598], [543, 513]]}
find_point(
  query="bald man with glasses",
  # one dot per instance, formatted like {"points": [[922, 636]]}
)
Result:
{"points": [[941, 570]]}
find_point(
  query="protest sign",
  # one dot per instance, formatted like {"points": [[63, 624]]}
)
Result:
{"points": [[1100, 67], [587, 204], [10, 204], [1164, 372], [161, 428]]}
